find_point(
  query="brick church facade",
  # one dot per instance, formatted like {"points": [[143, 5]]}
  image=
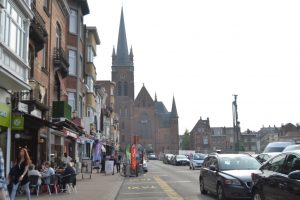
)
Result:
{"points": [[143, 117]]}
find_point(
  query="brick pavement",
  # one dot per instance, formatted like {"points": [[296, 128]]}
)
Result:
{"points": [[100, 187]]}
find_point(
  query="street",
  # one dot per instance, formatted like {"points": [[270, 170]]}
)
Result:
{"points": [[163, 182]]}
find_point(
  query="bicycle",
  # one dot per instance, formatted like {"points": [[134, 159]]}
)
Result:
{"points": [[124, 169]]}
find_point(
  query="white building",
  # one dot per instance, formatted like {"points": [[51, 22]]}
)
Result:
{"points": [[15, 19]]}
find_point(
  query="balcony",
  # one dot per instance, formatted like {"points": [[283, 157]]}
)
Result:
{"points": [[60, 61], [35, 98], [61, 109], [38, 33]]}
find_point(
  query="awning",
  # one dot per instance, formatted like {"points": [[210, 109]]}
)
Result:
{"points": [[70, 133]]}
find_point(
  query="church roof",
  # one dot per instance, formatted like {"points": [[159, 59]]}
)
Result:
{"points": [[160, 108], [144, 98], [174, 108], [122, 56]]}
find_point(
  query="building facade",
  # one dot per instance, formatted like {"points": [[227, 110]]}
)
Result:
{"points": [[142, 120]]}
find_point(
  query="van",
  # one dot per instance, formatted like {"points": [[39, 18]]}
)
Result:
{"points": [[277, 146]]}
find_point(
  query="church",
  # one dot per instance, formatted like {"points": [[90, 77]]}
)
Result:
{"points": [[142, 120]]}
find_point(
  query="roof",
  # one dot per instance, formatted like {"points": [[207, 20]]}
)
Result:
{"points": [[174, 108], [160, 107], [93, 29]]}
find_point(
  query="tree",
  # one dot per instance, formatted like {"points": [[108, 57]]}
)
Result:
{"points": [[186, 141]]}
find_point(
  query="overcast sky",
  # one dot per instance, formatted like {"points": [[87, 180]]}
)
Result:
{"points": [[205, 51]]}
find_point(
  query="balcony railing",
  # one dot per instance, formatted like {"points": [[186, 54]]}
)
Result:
{"points": [[60, 60], [38, 32], [61, 109]]}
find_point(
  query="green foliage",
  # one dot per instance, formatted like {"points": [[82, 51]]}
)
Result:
{"points": [[185, 145]]}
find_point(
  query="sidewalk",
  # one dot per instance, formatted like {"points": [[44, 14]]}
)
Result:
{"points": [[99, 187]]}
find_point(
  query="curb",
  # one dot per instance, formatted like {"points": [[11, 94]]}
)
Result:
{"points": [[120, 187]]}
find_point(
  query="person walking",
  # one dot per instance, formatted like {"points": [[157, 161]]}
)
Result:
{"points": [[118, 163], [21, 178]]}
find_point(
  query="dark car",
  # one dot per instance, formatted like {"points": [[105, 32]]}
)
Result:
{"points": [[180, 160], [263, 157], [228, 175], [278, 178]]}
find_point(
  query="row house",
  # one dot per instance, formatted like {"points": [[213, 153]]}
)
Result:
{"points": [[48, 100], [15, 18], [248, 142], [110, 135], [206, 139]]}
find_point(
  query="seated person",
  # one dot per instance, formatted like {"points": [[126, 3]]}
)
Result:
{"points": [[48, 171], [68, 172], [33, 172]]}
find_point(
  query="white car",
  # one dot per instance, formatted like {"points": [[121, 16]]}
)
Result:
{"points": [[145, 166]]}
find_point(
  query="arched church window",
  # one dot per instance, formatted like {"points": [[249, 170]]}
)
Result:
{"points": [[119, 88], [125, 88]]}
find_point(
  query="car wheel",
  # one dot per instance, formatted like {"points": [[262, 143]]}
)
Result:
{"points": [[220, 192], [202, 190], [257, 195]]}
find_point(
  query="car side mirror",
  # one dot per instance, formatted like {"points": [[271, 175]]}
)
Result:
{"points": [[212, 168], [294, 175]]}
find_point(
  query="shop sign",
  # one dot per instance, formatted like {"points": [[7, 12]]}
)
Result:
{"points": [[17, 123], [70, 133], [36, 113], [22, 107], [4, 115]]}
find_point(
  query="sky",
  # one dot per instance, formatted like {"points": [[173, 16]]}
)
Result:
{"points": [[203, 52]]}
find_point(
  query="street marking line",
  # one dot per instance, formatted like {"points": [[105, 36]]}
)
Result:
{"points": [[167, 189], [138, 193]]}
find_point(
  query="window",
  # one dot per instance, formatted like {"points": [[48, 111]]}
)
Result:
{"points": [[119, 88], [80, 107], [275, 164], [46, 6], [15, 31], [72, 62], [44, 57], [90, 84], [73, 21], [125, 88], [80, 68], [72, 100], [90, 54], [58, 36]]}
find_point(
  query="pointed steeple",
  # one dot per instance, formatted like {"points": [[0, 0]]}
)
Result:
{"points": [[122, 48], [114, 52], [174, 109], [155, 97]]}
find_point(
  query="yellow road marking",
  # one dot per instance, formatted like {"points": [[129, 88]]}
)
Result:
{"points": [[167, 189]]}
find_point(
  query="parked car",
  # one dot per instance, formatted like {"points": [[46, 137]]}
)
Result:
{"points": [[145, 165], [277, 146], [228, 175], [152, 156], [167, 158], [292, 147], [278, 178], [180, 160], [196, 160], [263, 157]]}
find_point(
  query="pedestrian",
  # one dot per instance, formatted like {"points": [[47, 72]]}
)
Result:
{"points": [[48, 171], [3, 187], [21, 178], [68, 172], [118, 163], [33, 172]]}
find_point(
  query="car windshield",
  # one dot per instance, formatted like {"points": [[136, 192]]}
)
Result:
{"points": [[273, 149], [238, 163], [199, 157], [180, 156], [292, 147]]}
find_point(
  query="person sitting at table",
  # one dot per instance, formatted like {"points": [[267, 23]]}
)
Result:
{"points": [[33, 172], [48, 171], [69, 170], [66, 158]]}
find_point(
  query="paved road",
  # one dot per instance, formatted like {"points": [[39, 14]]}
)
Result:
{"points": [[163, 182]]}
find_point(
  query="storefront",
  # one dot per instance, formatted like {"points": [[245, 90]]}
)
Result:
{"points": [[30, 132], [5, 114]]}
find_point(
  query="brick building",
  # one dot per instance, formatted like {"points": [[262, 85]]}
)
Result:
{"points": [[143, 117]]}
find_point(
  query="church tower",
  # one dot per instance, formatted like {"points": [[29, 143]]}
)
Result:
{"points": [[123, 76]]}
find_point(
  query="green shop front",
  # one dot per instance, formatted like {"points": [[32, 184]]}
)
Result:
{"points": [[5, 113]]}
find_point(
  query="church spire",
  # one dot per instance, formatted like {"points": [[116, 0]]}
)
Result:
{"points": [[122, 48], [174, 109]]}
